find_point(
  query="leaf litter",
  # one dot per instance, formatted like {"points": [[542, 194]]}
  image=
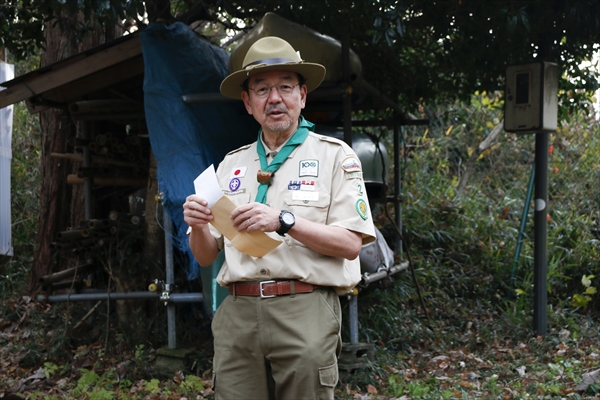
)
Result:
{"points": [[561, 365]]}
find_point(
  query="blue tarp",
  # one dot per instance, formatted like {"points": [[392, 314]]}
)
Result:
{"points": [[187, 138]]}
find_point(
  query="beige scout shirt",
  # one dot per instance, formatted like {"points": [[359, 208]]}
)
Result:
{"points": [[321, 181]]}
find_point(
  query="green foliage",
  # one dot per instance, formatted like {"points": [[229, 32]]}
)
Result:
{"points": [[466, 241], [410, 50], [582, 300], [50, 369], [21, 27], [153, 386], [25, 177], [92, 386], [193, 384]]}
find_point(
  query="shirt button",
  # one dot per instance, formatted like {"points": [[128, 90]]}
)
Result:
{"points": [[263, 271]]}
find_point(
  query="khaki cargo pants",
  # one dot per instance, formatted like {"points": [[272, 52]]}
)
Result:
{"points": [[282, 348]]}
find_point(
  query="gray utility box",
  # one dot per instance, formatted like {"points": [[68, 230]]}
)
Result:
{"points": [[531, 97]]}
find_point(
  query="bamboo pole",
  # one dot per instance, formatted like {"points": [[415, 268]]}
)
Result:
{"points": [[97, 160], [67, 273]]}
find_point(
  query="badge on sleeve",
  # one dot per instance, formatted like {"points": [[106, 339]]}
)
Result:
{"points": [[354, 175], [351, 164], [362, 209]]}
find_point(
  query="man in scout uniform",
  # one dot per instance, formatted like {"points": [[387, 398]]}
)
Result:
{"points": [[277, 335]]}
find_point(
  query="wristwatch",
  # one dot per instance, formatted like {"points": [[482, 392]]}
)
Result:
{"points": [[286, 221]]}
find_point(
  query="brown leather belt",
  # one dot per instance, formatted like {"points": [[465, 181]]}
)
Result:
{"points": [[267, 289]]}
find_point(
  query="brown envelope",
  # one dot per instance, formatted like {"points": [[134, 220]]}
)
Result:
{"points": [[255, 244]]}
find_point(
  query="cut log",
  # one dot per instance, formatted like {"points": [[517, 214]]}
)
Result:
{"points": [[67, 273]]}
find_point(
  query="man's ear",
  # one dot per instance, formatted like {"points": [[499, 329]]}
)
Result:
{"points": [[303, 94], [246, 100]]}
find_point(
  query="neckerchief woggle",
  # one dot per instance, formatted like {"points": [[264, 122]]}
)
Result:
{"points": [[267, 170]]}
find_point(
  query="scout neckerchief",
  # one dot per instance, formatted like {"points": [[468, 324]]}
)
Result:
{"points": [[266, 171]]}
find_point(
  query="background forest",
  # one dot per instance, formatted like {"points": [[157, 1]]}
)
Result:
{"points": [[460, 325], [472, 339]]}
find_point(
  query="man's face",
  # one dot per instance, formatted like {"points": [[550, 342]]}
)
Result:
{"points": [[276, 112]]}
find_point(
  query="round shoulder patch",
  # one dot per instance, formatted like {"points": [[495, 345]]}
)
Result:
{"points": [[362, 209]]}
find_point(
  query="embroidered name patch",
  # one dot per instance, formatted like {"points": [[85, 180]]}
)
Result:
{"points": [[230, 193], [351, 164], [309, 168], [305, 196], [361, 208]]}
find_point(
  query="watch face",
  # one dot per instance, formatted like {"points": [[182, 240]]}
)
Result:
{"points": [[288, 218]]}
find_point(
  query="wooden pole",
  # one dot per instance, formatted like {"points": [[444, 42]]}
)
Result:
{"points": [[96, 160]]}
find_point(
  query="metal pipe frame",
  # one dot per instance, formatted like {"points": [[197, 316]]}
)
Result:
{"points": [[170, 275], [174, 298], [369, 278]]}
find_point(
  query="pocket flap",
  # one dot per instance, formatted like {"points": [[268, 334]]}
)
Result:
{"points": [[328, 376]]}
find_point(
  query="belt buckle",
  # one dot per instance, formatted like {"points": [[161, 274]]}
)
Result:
{"points": [[262, 290]]}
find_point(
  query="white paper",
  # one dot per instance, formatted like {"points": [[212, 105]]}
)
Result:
{"points": [[255, 244], [207, 186]]}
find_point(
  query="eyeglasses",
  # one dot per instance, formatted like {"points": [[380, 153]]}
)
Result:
{"points": [[284, 89]]}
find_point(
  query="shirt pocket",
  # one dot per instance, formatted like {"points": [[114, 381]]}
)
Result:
{"points": [[315, 210], [240, 198]]}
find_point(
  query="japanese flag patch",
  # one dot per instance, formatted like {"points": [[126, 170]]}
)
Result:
{"points": [[238, 172]]}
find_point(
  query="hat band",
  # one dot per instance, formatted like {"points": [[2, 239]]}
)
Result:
{"points": [[271, 61]]}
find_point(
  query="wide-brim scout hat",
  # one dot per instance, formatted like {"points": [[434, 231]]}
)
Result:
{"points": [[271, 53]]}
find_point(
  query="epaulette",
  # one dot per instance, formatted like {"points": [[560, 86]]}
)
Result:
{"points": [[239, 149], [347, 149]]}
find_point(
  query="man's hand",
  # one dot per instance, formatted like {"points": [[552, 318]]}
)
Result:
{"points": [[255, 217], [195, 211], [197, 215]]}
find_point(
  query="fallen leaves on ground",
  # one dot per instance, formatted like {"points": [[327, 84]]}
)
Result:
{"points": [[559, 365]]}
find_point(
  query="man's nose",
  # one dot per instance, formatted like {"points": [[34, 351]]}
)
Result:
{"points": [[274, 95]]}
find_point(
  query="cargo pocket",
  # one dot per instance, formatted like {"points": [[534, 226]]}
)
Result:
{"points": [[315, 210], [240, 199], [328, 378]]}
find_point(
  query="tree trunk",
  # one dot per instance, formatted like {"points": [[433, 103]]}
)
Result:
{"points": [[60, 204], [54, 196]]}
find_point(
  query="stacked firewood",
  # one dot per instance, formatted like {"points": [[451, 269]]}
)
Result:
{"points": [[115, 161], [87, 242], [113, 147], [70, 278], [93, 235]]}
